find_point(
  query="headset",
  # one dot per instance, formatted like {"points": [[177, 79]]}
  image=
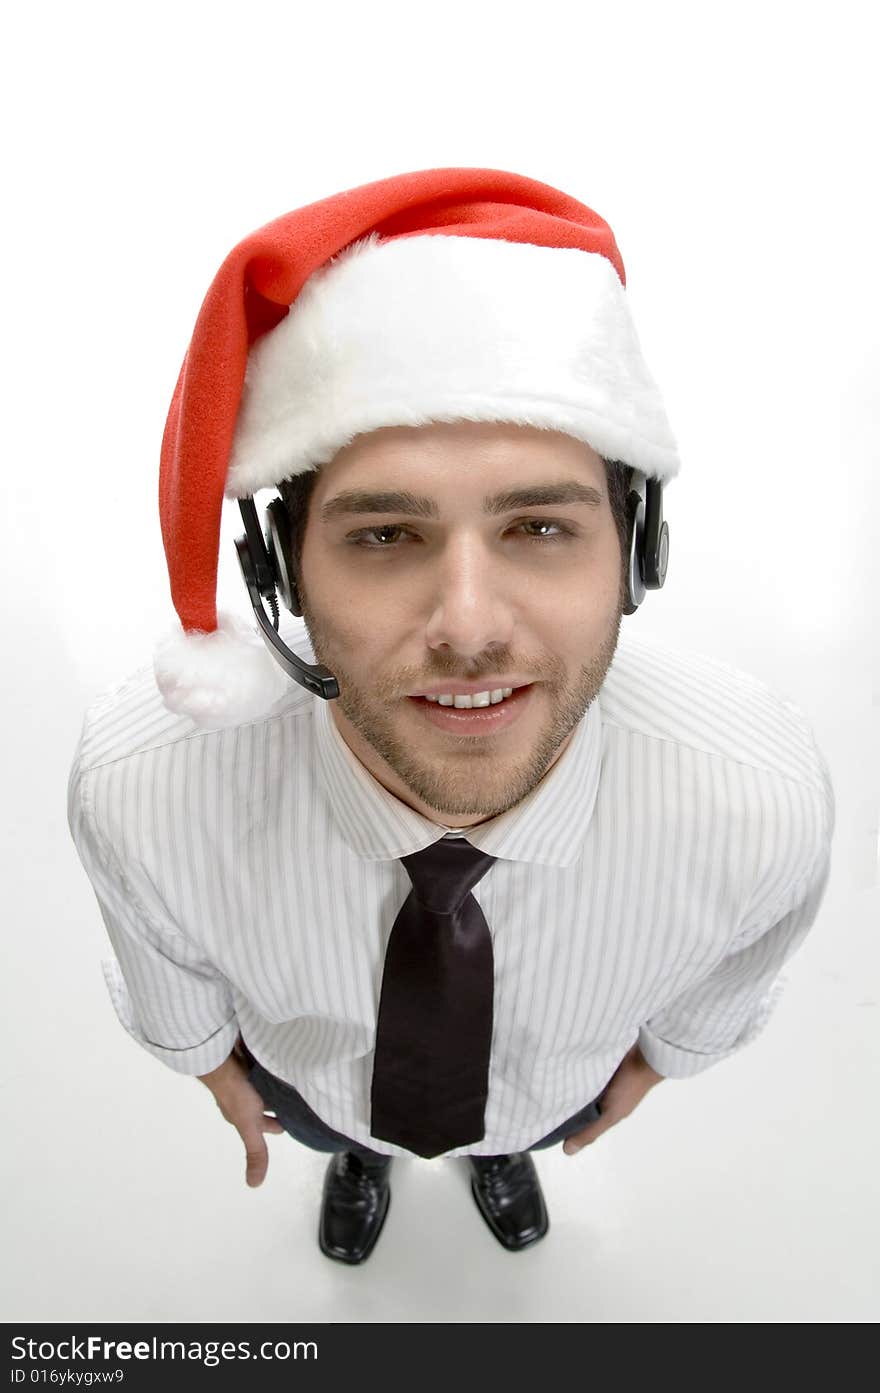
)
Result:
{"points": [[267, 568]]}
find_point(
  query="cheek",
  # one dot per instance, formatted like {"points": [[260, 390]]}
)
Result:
{"points": [[576, 604], [375, 630], [362, 640]]}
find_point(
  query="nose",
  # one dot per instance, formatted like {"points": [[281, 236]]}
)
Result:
{"points": [[470, 601]]}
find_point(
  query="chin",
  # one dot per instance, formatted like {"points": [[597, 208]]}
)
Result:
{"points": [[459, 789]]}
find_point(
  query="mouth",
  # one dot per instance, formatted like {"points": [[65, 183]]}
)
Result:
{"points": [[466, 695], [480, 713]]}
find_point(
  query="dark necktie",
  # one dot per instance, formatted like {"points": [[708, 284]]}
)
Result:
{"points": [[434, 1032]]}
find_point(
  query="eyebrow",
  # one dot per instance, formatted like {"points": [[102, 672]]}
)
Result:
{"points": [[417, 505]]}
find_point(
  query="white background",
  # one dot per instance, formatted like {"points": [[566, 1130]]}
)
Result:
{"points": [[733, 151]]}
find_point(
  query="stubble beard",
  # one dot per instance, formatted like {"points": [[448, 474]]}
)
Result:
{"points": [[470, 783]]}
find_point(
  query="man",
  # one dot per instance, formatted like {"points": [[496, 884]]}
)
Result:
{"points": [[455, 904]]}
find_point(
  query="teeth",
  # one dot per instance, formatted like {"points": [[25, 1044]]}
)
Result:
{"points": [[476, 699]]}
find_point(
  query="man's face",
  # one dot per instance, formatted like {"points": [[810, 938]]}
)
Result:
{"points": [[456, 582]]}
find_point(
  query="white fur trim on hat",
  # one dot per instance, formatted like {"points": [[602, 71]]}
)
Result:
{"points": [[434, 327], [218, 679]]}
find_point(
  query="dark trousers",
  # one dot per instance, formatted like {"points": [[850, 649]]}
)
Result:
{"points": [[297, 1118]]}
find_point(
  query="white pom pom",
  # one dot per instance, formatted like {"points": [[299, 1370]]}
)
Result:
{"points": [[218, 679]]}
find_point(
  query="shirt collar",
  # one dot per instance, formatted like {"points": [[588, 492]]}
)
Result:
{"points": [[546, 828]]}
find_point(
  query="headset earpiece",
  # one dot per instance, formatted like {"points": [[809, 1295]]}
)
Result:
{"points": [[279, 545], [264, 575], [655, 548], [648, 539]]}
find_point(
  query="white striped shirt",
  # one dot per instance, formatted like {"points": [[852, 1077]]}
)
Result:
{"points": [[649, 889]]}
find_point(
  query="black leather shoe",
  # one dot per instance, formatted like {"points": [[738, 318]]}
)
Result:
{"points": [[354, 1205], [508, 1195]]}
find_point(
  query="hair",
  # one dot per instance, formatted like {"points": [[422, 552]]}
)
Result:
{"points": [[296, 494]]}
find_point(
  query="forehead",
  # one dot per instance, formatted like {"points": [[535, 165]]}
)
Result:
{"points": [[447, 458]]}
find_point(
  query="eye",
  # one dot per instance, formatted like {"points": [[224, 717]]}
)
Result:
{"points": [[362, 537], [561, 529]]}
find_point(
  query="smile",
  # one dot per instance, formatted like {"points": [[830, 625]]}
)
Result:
{"points": [[475, 699], [479, 713]]}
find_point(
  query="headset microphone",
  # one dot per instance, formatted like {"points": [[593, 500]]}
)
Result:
{"points": [[267, 567], [255, 558]]}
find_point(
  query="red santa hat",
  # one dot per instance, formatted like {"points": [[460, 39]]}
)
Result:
{"points": [[439, 295]]}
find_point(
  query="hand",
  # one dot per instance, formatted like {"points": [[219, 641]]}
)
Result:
{"points": [[242, 1106], [623, 1093]]}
